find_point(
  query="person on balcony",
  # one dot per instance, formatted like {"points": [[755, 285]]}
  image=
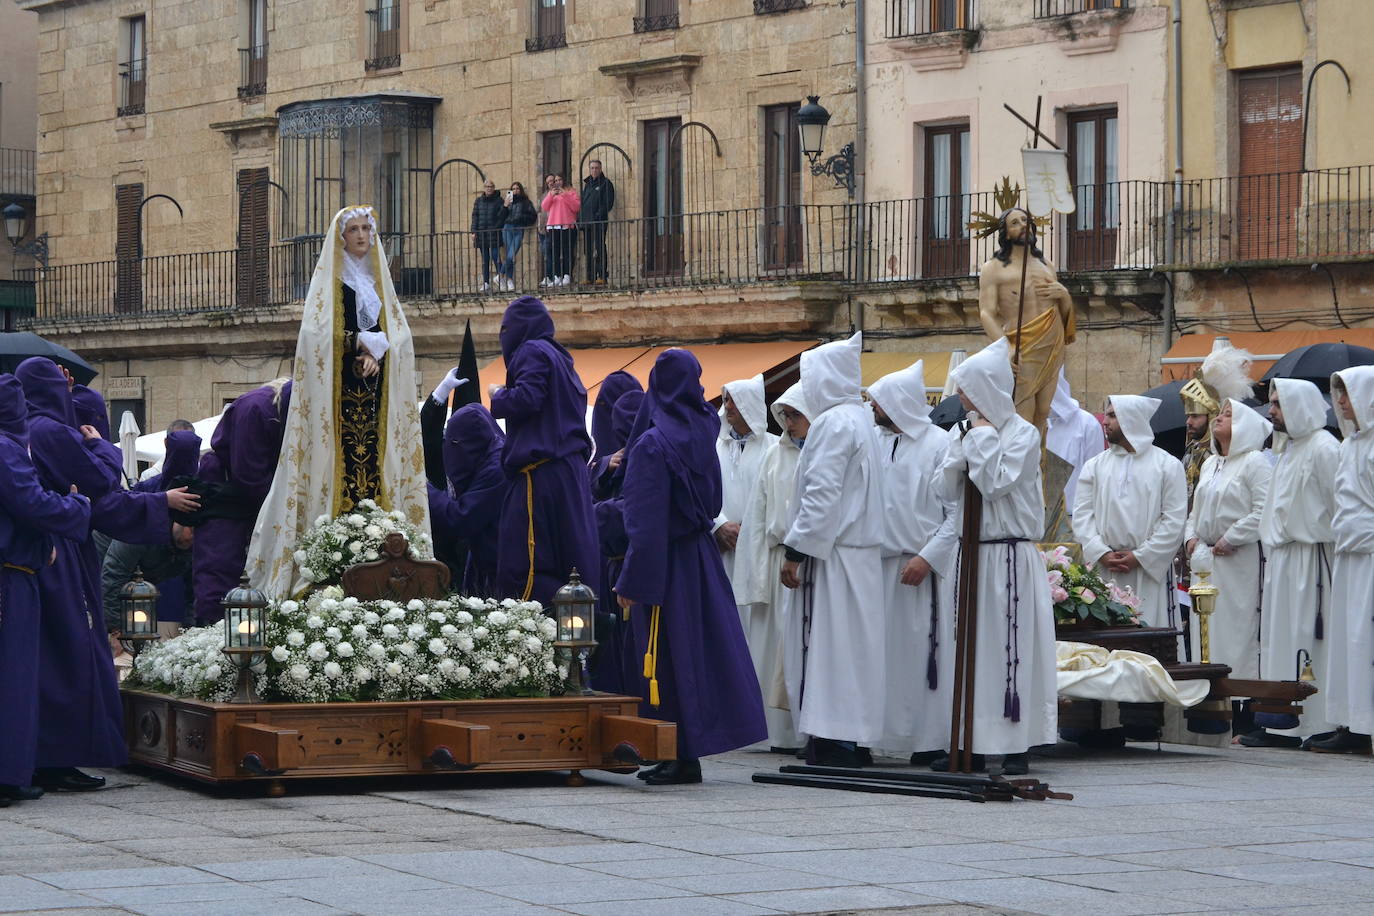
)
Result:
{"points": [[562, 204], [520, 216], [489, 214], [598, 200], [357, 401]]}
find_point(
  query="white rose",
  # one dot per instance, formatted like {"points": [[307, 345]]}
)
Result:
{"points": [[317, 651], [333, 591], [332, 633], [357, 521], [295, 638], [289, 607], [422, 679], [371, 554], [498, 618], [300, 672], [462, 674], [299, 557], [359, 631], [372, 531], [391, 631], [415, 631], [491, 665], [336, 557], [395, 614], [355, 547], [398, 515], [371, 618], [447, 665], [465, 643], [362, 675], [280, 654], [449, 629], [314, 622], [533, 644], [332, 669], [415, 604], [408, 649], [514, 636], [523, 672], [345, 614], [213, 672], [512, 662], [344, 650], [376, 650], [509, 603], [481, 632], [437, 616], [393, 668], [464, 617], [529, 624], [438, 647], [307, 574], [322, 520]]}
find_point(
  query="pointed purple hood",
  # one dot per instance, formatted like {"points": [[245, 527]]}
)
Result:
{"points": [[45, 389], [90, 408], [607, 396], [14, 410], [472, 442], [526, 319]]}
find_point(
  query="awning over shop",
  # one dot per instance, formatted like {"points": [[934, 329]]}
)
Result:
{"points": [[720, 363], [876, 365], [1188, 352]]}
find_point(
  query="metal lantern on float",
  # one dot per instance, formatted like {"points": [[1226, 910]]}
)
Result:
{"points": [[574, 609], [138, 613], [245, 634]]}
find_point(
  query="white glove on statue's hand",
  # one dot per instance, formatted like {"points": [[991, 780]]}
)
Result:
{"points": [[450, 382]]}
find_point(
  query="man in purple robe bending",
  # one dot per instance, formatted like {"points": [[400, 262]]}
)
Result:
{"points": [[465, 514], [547, 526], [697, 665], [614, 666], [81, 721], [30, 519], [236, 473]]}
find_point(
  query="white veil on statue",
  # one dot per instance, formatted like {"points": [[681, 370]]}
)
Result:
{"points": [[309, 478]]}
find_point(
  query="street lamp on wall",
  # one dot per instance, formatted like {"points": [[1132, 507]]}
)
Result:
{"points": [[812, 119], [16, 221]]}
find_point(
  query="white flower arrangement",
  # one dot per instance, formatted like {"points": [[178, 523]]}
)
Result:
{"points": [[191, 665], [332, 545]]}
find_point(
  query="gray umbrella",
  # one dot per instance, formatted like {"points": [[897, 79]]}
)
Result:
{"points": [[18, 346]]}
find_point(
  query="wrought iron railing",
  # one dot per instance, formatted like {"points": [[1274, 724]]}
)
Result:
{"points": [[383, 38], [656, 23], [1296, 217], [252, 72], [546, 42], [16, 172], [907, 18], [1048, 9], [763, 7], [133, 87]]}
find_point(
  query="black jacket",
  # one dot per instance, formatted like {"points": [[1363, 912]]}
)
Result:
{"points": [[598, 199], [488, 216], [521, 213]]}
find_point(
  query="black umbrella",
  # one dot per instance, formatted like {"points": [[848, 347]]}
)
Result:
{"points": [[1170, 423], [947, 412], [1316, 362], [18, 346]]}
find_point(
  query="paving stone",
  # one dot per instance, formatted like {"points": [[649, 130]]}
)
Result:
{"points": [[281, 906], [477, 868], [1037, 895], [281, 869], [244, 895], [594, 852], [587, 890], [19, 894], [681, 906], [124, 877], [747, 882], [1154, 881], [868, 866], [673, 867], [831, 899]]}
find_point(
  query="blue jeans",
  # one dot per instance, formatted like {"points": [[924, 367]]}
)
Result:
{"points": [[513, 237], [491, 257]]}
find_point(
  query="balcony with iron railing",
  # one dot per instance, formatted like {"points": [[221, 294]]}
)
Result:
{"points": [[133, 87], [383, 38], [16, 173], [658, 15], [764, 7], [909, 18], [1129, 226], [1049, 9], [252, 72]]}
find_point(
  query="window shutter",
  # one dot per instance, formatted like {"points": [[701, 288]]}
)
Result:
{"points": [[254, 238], [1269, 104], [128, 247]]}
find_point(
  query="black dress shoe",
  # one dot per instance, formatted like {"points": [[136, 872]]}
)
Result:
{"points": [[826, 753], [651, 769], [677, 773], [924, 758], [784, 750], [941, 764], [21, 793], [1319, 736], [1262, 738], [865, 755], [1343, 742], [69, 779], [1016, 764]]}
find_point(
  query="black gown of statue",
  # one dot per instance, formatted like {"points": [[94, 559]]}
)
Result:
{"points": [[360, 411]]}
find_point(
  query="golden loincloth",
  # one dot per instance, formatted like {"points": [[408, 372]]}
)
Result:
{"points": [[1042, 343]]}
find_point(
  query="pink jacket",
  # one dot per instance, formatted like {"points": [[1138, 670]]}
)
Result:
{"points": [[562, 208]]}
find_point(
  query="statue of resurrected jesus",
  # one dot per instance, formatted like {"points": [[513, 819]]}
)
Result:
{"points": [[1046, 322]]}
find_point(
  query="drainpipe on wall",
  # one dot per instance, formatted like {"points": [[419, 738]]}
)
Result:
{"points": [[860, 147], [1171, 224]]}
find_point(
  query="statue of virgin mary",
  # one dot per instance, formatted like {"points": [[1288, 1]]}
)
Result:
{"points": [[353, 430]]}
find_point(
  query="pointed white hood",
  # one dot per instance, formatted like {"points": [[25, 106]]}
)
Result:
{"points": [[985, 378], [1304, 408], [1248, 430], [794, 397], [1133, 412], [831, 374], [902, 396], [749, 400], [1359, 383], [1064, 406]]}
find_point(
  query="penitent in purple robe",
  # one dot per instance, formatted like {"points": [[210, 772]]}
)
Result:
{"points": [[81, 720], [242, 459], [614, 664], [672, 493], [468, 511], [607, 443], [30, 518], [545, 457], [181, 459], [139, 517]]}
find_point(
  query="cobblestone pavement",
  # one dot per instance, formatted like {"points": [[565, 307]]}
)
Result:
{"points": [[1178, 830]]}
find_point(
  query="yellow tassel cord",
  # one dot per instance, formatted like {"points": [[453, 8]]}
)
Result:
{"points": [[529, 514], [651, 656]]}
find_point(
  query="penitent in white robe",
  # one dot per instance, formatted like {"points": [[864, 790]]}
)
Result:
{"points": [[1137, 501], [1073, 434], [1016, 663], [835, 621], [1228, 502], [1350, 698], [1295, 530], [758, 560], [740, 461], [917, 522]]}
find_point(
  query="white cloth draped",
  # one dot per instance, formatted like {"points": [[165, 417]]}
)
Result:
{"points": [[1137, 501], [1087, 672], [1228, 502], [1350, 698], [1295, 530], [1014, 607], [835, 681], [306, 483]]}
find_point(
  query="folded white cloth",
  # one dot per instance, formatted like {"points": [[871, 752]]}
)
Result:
{"points": [[1087, 672]]}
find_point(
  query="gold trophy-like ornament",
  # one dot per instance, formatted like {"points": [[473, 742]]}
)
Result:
{"points": [[1204, 595]]}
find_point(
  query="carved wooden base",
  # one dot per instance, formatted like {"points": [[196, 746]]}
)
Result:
{"points": [[223, 743]]}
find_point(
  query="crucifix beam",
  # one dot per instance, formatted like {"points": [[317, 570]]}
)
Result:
{"points": [[1017, 115]]}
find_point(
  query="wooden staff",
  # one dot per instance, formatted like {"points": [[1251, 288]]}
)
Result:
{"points": [[966, 633], [1025, 261]]}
